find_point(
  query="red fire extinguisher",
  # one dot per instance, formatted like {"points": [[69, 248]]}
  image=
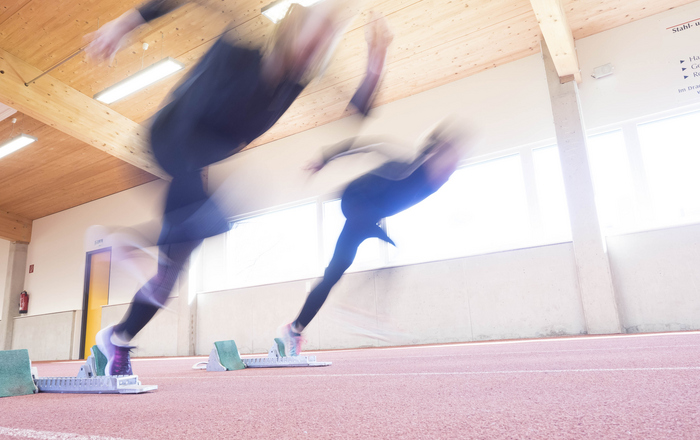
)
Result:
{"points": [[23, 302]]}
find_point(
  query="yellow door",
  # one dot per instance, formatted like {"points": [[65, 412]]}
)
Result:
{"points": [[98, 296]]}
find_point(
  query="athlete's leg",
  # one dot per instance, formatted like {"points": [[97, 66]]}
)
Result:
{"points": [[361, 206], [114, 341], [153, 295], [185, 190], [352, 235]]}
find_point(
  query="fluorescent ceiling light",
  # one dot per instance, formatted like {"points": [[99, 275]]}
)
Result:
{"points": [[140, 80], [276, 10], [15, 144]]}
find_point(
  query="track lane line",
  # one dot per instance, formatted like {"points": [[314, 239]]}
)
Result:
{"points": [[577, 350], [453, 373], [49, 435]]}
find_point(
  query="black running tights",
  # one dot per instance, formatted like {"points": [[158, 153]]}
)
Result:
{"points": [[153, 295]]}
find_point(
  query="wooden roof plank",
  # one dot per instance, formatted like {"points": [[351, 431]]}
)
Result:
{"points": [[41, 179], [14, 227], [9, 8], [558, 36], [58, 105]]}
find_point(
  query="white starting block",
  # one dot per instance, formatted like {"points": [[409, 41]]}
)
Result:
{"points": [[225, 357], [89, 368], [93, 385], [92, 380]]}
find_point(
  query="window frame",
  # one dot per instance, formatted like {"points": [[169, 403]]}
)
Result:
{"points": [[648, 219]]}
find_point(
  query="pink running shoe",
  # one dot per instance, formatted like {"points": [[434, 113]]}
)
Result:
{"points": [[292, 341]]}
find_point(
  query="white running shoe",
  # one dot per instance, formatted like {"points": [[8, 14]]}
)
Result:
{"points": [[292, 340], [118, 356]]}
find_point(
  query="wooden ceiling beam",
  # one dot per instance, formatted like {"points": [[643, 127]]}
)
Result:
{"points": [[14, 227], [559, 38], [66, 109]]}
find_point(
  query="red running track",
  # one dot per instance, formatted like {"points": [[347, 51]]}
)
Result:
{"points": [[621, 387]]}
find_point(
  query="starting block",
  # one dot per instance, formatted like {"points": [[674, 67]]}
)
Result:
{"points": [[93, 385], [18, 377], [91, 379], [225, 357], [16, 373], [94, 365]]}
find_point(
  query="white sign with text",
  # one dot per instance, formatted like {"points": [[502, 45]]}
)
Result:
{"points": [[681, 40]]}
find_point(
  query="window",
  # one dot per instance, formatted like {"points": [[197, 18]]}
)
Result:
{"points": [[272, 248], [211, 258], [482, 208], [551, 195], [671, 155], [612, 182]]}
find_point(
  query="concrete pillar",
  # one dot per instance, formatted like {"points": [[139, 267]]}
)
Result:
{"points": [[593, 266], [14, 283]]}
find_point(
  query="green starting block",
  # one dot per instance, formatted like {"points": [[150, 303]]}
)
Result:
{"points": [[16, 373], [225, 357], [17, 378], [94, 365], [228, 356]]}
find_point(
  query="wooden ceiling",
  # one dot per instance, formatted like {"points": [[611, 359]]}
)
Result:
{"points": [[58, 170], [436, 42]]}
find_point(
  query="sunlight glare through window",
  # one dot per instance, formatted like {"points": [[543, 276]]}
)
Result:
{"points": [[482, 208], [612, 182], [551, 195], [671, 154], [275, 247]]}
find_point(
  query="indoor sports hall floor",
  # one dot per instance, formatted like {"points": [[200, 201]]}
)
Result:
{"points": [[619, 387]]}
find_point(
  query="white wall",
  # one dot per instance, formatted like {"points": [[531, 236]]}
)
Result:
{"points": [[657, 278], [646, 57], [4, 258], [58, 248], [48, 337], [515, 294]]}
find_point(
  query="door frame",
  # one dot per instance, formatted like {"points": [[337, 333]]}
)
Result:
{"points": [[86, 294]]}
